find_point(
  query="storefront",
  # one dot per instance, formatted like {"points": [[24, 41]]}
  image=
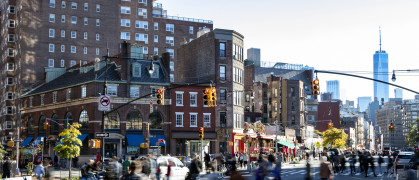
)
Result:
{"points": [[157, 144]]}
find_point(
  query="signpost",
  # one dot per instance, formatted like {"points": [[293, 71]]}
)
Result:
{"points": [[102, 135], [104, 103]]}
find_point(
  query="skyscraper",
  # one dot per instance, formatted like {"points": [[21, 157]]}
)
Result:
{"points": [[363, 103], [398, 93], [381, 73], [254, 55], [333, 87]]}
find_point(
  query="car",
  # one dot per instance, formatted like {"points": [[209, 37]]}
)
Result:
{"points": [[403, 159], [395, 153], [414, 163], [179, 170]]}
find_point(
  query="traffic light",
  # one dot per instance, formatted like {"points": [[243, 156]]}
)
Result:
{"points": [[46, 124], [378, 140], [315, 86], [207, 97], [147, 127], [330, 125], [160, 96], [391, 127], [201, 133], [11, 143], [213, 96], [144, 145]]}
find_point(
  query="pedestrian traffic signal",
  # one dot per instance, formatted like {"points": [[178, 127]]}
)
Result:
{"points": [[144, 145], [201, 133], [160, 96], [315, 86], [330, 125], [46, 124], [391, 128], [207, 98]]}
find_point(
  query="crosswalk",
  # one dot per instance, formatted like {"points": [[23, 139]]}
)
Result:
{"points": [[288, 172]]}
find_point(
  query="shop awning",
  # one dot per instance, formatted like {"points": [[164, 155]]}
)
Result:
{"points": [[26, 141], [38, 140], [285, 143], [155, 139], [135, 139]]}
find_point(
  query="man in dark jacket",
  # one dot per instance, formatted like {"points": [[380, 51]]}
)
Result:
{"points": [[7, 166], [196, 167], [135, 167]]}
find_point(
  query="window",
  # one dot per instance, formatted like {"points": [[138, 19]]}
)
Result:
{"points": [[73, 5], [193, 119], [85, 50], [72, 63], [142, 12], [125, 35], [68, 94], [83, 91], [223, 72], [11, 52], [292, 119], [8, 124], [134, 91], [51, 47], [51, 17], [171, 51], [84, 120], [112, 90], [292, 92], [156, 71], [54, 97], [141, 37], [179, 119], [134, 120], [73, 49], [136, 70], [172, 78], [51, 33], [63, 4], [97, 22], [50, 62], [30, 126], [170, 40], [11, 9], [97, 7], [52, 3], [62, 33], [11, 38], [143, 2], [125, 10], [156, 26], [86, 6], [85, 21], [222, 49], [62, 48], [9, 80], [190, 29], [97, 37], [170, 27], [156, 38], [112, 121], [223, 96], [223, 118], [97, 51], [73, 20], [10, 67], [207, 119], [172, 66], [12, 23], [9, 96], [125, 22], [141, 24], [85, 35], [156, 51], [73, 34], [193, 99], [179, 98]]}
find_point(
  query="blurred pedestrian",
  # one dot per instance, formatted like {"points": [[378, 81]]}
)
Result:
{"points": [[125, 166], [352, 162], [241, 159], [263, 170], [371, 162], [7, 167], [389, 164], [39, 171], [135, 171], [326, 172], [245, 160], [196, 168], [380, 161], [117, 167], [169, 170], [207, 160], [342, 163]]}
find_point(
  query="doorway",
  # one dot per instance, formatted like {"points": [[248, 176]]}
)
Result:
{"points": [[111, 150]]}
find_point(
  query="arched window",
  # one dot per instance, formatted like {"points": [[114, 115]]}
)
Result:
{"points": [[134, 120], [84, 120], [69, 117], [30, 126], [41, 124], [54, 124], [112, 121], [156, 120]]}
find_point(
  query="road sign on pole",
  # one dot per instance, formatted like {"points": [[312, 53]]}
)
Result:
{"points": [[104, 103], [101, 135]]}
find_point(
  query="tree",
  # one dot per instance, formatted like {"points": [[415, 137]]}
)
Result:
{"points": [[334, 137], [318, 133], [413, 136], [2, 152], [70, 145]]}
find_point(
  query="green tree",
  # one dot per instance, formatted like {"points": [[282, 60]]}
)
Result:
{"points": [[413, 136], [318, 133], [334, 137], [70, 145], [2, 152]]}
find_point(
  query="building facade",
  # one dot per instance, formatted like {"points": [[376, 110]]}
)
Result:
{"points": [[328, 112], [363, 103], [253, 54], [380, 65], [334, 88]]}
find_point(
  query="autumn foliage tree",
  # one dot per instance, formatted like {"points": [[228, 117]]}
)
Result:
{"points": [[413, 136], [334, 137]]}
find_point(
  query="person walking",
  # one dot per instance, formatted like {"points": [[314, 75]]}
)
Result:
{"points": [[241, 159], [389, 164], [207, 160], [326, 172], [7, 166], [195, 168], [39, 171], [245, 160], [336, 163], [125, 166], [371, 162], [365, 164], [135, 172], [169, 170], [342, 163], [380, 161]]}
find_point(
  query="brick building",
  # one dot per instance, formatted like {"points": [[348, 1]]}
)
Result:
{"points": [[328, 112], [217, 57], [40, 34], [73, 94]]}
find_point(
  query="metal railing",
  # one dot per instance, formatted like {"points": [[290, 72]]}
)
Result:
{"points": [[182, 18]]}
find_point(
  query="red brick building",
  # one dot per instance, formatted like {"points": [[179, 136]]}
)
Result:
{"points": [[328, 112]]}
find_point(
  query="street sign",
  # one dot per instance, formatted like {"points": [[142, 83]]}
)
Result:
{"points": [[104, 103], [101, 135]]}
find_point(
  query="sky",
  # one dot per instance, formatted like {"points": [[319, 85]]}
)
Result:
{"points": [[325, 34]]}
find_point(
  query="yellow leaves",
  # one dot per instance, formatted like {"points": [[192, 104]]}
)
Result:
{"points": [[334, 137], [70, 144]]}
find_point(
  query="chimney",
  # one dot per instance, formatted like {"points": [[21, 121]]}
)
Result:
{"points": [[125, 65]]}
